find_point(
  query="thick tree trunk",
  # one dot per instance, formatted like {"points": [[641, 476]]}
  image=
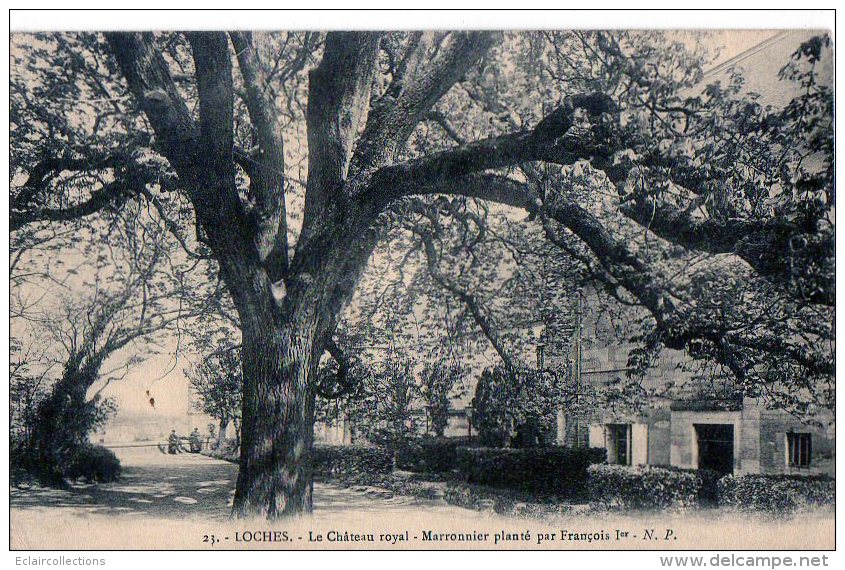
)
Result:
{"points": [[62, 423], [275, 477]]}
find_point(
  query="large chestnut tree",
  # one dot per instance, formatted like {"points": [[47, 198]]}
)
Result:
{"points": [[688, 198]]}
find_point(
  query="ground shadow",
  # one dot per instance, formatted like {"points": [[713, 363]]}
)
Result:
{"points": [[188, 485]]}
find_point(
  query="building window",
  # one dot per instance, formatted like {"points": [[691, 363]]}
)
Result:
{"points": [[715, 447], [619, 444], [799, 447]]}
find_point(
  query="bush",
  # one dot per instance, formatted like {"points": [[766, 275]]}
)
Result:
{"points": [[708, 494], [555, 470], [429, 454], [643, 487], [229, 451], [775, 494], [517, 408], [350, 461], [94, 463]]}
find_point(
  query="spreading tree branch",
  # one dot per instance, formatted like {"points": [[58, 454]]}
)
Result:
{"points": [[473, 304], [343, 381], [433, 63], [266, 174], [202, 155], [338, 97]]}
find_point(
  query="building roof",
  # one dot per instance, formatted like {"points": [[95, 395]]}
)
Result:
{"points": [[761, 64]]}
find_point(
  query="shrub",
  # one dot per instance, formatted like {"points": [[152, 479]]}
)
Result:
{"points": [[429, 454], [517, 408], [554, 470], [229, 451], [643, 487], [775, 494], [94, 463], [708, 494], [350, 461]]}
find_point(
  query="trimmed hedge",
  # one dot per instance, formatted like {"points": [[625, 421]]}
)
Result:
{"points": [[776, 494], [643, 487], [560, 471], [429, 454], [349, 461], [94, 463]]}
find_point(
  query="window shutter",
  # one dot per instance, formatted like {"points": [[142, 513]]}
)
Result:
{"points": [[639, 444], [597, 436]]}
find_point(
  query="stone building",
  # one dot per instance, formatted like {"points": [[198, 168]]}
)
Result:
{"points": [[689, 426]]}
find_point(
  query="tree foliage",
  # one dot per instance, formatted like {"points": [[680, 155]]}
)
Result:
{"points": [[217, 382], [294, 159], [440, 384], [519, 410]]}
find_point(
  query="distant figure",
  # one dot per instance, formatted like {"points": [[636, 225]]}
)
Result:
{"points": [[173, 443], [195, 441], [212, 435]]}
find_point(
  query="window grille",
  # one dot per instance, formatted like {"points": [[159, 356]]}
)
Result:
{"points": [[799, 449]]}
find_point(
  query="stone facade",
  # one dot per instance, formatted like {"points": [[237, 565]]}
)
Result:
{"points": [[738, 437], [761, 440]]}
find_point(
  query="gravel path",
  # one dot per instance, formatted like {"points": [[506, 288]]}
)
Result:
{"points": [[179, 501], [185, 485]]}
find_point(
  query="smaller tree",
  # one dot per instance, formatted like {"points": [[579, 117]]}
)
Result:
{"points": [[383, 401], [393, 399], [519, 408], [217, 381], [27, 388], [439, 383]]}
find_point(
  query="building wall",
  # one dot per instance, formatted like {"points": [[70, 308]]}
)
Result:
{"points": [[458, 425], [760, 435], [334, 433], [659, 437], [774, 427], [684, 444], [640, 440], [760, 440]]}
